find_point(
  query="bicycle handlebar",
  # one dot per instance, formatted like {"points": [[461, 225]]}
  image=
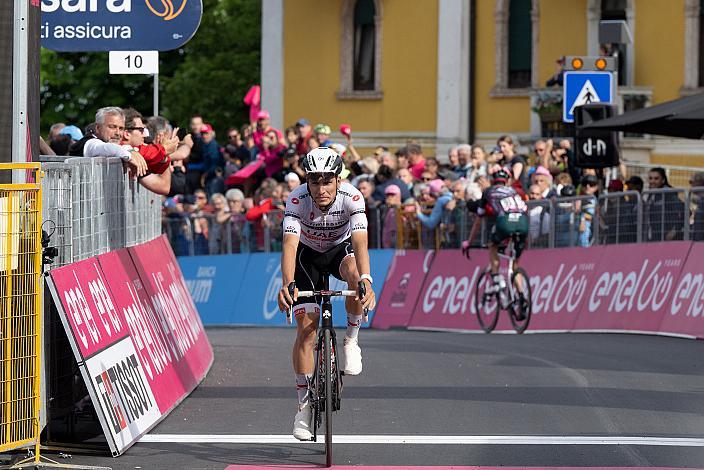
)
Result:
{"points": [[331, 293]]}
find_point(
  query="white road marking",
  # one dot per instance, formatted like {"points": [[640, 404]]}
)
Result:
{"points": [[434, 440]]}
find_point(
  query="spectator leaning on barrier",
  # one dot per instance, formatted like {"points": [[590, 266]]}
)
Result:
{"points": [[696, 183], [218, 224], [444, 203], [156, 154], [239, 227], [393, 203], [538, 216], [589, 187], [105, 141], [663, 212]]}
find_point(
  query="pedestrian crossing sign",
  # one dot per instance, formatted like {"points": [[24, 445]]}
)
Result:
{"points": [[584, 88]]}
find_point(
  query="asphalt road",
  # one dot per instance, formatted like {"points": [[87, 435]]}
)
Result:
{"points": [[560, 400]]}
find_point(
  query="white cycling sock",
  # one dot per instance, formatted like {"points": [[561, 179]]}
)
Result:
{"points": [[302, 388], [353, 322]]}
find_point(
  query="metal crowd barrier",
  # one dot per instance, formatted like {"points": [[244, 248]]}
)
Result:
{"points": [[92, 206], [612, 218], [20, 302]]}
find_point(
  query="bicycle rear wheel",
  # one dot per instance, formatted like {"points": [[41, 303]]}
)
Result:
{"points": [[522, 302], [486, 305], [327, 348]]}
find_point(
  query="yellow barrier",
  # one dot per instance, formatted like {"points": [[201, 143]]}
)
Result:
{"points": [[20, 310]]}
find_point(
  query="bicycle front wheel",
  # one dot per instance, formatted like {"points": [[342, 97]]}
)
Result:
{"points": [[522, 302], [327, 353], [486, 305]]}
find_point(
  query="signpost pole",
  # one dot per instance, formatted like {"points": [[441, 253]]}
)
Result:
{"points": [[156, 95]]}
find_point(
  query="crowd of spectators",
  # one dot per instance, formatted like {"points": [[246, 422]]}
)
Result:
{"points": [[228, 197]]}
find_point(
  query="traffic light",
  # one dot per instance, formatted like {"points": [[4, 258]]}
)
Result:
{"points": [[594, 148], [591, 64]]}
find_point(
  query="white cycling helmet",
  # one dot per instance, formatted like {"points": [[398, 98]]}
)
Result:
{"points": [[323, 160]]}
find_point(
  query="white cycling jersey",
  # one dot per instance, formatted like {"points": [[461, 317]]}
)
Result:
{"points": [[322, 231]]}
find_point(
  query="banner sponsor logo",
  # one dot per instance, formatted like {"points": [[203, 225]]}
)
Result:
{"points": [[122, 391], [118, 25], [202, 286], [645, 289], [451, 294], [690, 290], [563, 291], [271, 298]]}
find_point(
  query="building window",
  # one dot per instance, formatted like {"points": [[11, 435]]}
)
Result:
{"points": [[364, 13], [360, 53], [516, 46], [700, 82], [693, 46], [615, 10], [519, 44]]}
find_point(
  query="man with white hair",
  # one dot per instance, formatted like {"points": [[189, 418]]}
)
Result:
{"points": [[292, 181], [105, 141], [464, 161]]}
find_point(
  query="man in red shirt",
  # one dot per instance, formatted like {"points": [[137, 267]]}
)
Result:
{"points": [[305, 132], [416, 160], [263, 128], [158, 177]]}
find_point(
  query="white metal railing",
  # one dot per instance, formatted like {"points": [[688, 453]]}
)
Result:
{"points": [[91, 206]]}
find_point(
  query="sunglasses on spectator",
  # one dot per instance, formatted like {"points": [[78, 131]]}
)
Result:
{"points": [[591, 184], [140, 129], [201, 197], [427, 178], [233, 136]]}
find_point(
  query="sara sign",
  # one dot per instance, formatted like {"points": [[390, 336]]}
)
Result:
{"points": [[118, 25]]}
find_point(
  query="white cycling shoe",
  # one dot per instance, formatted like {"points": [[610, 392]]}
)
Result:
{"points": [[353, 357], [301, 424]]}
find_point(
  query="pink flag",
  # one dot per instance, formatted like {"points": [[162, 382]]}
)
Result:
{"points": [[253, 100]]}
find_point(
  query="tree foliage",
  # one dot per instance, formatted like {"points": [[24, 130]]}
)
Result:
{"points": [[209, 75]]}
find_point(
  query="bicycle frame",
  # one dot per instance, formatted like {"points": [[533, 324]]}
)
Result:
{"points": [[326, 395]]}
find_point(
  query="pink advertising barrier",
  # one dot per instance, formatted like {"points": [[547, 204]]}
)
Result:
{"points": [[633, 287], [684, 313], [559, 281], [135, 333], [655, 287], [446, 300], [401, 287]]}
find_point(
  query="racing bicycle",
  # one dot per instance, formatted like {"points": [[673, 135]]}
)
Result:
{"points": [[515, 298], [325, 386]]}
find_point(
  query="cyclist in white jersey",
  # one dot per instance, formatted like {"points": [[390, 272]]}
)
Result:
{"points": [[325, 230]]}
